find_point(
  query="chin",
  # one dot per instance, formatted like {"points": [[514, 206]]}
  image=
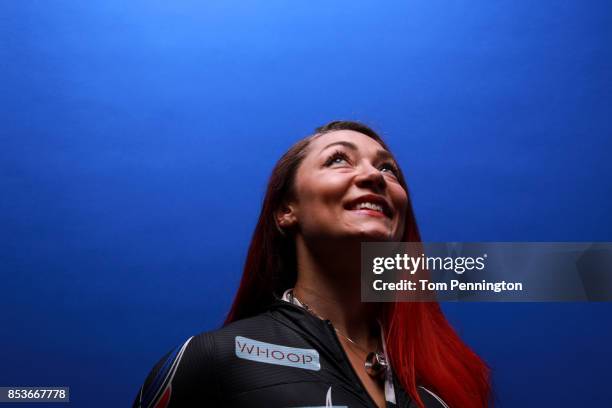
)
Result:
{"points": [[375, 236]]}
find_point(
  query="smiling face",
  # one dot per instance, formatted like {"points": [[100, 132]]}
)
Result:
{"points": [[347, 187]]}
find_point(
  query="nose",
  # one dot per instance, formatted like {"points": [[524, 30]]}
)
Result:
{"points": [[371, 178]]}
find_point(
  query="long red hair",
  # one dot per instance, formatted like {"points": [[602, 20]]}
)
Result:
{"points": [[423, 347]]}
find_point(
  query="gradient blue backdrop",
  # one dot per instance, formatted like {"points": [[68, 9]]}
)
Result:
{"points": [[137, 138]]}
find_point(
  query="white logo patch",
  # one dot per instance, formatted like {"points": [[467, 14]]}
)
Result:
{"points": [[261, 352]]}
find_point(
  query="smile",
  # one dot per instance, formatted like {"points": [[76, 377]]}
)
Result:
{"points": [[371, 205], [367, 211]]}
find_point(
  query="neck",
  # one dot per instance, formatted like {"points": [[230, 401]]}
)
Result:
{"points": [[328, 281]]}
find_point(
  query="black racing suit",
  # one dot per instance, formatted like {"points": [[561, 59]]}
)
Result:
{"points": [[284, 357]]}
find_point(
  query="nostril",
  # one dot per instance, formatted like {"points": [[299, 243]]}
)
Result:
{"points": [[373, 181]]}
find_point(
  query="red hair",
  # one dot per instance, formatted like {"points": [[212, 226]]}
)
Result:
{"points": [[423, 347]]}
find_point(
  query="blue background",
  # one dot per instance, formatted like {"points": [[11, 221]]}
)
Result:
{"points": [[137, 138]]}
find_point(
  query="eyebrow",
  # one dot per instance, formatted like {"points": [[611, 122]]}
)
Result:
{"points": [[380, 153]]}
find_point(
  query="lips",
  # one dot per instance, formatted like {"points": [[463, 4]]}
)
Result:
{"points": [[370, 202]]}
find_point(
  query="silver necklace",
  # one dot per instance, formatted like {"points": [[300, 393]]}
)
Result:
{"points": [[375, 362]]}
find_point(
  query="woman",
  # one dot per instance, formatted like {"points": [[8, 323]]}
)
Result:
{"points": [[297, 334]]}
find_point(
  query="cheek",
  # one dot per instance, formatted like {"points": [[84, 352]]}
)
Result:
{"points": [[400, 202], [322, 192], [400, 199]]}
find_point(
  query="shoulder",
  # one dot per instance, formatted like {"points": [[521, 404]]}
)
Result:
{"points": [[176, 372], [192, 370]]}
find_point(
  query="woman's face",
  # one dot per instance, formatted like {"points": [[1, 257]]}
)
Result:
{"points": [[347, 187]]}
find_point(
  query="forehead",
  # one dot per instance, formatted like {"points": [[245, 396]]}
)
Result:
{"points": [[363, 142]]}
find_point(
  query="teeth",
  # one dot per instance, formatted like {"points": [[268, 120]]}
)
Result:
{"points": [[370, 206]]}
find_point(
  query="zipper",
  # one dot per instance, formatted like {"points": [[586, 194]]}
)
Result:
{"points": [[440, 400], [348, 362]]}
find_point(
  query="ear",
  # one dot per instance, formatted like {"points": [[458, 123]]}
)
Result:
{"points": [[285, 216]]}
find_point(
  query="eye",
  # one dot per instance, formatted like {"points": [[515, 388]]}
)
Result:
{"points": [[389, 167], [337, 158]]}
